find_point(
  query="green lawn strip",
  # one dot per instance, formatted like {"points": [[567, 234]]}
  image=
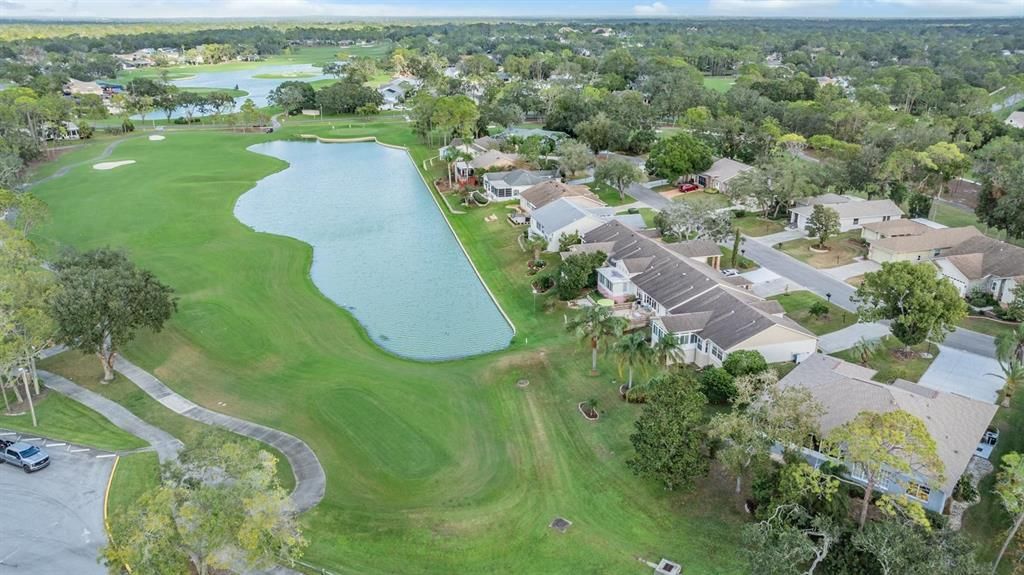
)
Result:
{"points": [[987, 326], [987, 522], [756, 226], [954, 217], [200, 90], [719, 83], [798, 305], [716, 200], [783, 368], [646, 213], [609, 195], [890, 367], [67, 420], [742, 263], [843, 249], [86, 371], [135, 475], [448, 466]]}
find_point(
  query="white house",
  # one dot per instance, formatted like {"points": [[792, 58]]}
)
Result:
{"points": [[1016, 119], [687, 297], [397, 90], [844, 390], [981, 262], [567, 216], [549, 191], [505, 186], [852, 214]]}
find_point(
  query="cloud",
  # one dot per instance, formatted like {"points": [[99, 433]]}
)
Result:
{"points": [[1013, 8], [655, 9], [225, 9], [769, 7]]}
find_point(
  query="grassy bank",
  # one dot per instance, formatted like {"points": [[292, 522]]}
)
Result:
{"points": [[446, 466], [64, 419]]}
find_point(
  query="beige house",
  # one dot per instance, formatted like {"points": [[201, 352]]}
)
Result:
{"points": [[77, 88], [984, 263], [718, 175], [852, 214], [892, 229], [926, 246], [677, 286], [544, 193], [845, 390]]}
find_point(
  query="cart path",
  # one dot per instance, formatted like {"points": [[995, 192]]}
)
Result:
{"points": [[63, 171], [165, 445], [310, 479]]}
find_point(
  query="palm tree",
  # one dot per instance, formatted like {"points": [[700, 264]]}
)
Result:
{"points": [[634, 353], [864, 349], [536, 244], [1010, 489], [1012, 376], [665, 349], [1011, 345], [594, 325]]}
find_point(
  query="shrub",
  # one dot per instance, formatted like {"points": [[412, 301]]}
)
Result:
{"points": [[633, 211], [744, 362], [965, 491], [85, 131], [978, 297], [739, 213], [717, 385], [819, 309]]}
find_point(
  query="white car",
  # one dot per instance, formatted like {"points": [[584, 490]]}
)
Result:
{"points": [[730, 272]]}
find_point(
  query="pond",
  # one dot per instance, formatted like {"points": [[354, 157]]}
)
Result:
{"points": [[381, 247], [258, 88]]}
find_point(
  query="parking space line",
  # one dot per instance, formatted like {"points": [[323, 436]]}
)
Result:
{"points": [[106, 455], [32, 439], [77, 450], [8, 433], [56, 444]]}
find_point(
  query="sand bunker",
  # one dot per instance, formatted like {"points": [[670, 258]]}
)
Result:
{"points": [[156, 138], [111, 165]]}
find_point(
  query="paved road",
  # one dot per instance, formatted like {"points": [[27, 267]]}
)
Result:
{"points": [[53, 518], [842, 292], [310, 479]]}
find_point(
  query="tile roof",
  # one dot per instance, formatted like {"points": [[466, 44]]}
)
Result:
{"points": [[942, 238], [955, 422]]}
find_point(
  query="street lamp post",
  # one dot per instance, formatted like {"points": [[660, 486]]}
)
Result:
{"points": [[828, 296]]}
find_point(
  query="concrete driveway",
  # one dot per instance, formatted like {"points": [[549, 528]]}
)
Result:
{"points": [[857, 268], [965, 373], [53, 518]]}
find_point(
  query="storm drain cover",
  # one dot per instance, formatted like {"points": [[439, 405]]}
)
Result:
{"points": [[561, 524]]}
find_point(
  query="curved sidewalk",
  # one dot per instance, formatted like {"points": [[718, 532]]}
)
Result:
{"points": [[310, 479], [165, 445]]}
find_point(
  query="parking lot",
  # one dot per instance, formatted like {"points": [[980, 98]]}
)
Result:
{"points": [[53, 518]]}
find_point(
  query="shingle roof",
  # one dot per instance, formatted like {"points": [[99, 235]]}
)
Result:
{"points": [[492, 158], [564, 211], [695, 248], [823, 199], [726, 168], [988, 257], [955, 422], [865, 209], [682, 285], [933, 239], [685, 322], [546, 192], [520, 178], [899, 227]]}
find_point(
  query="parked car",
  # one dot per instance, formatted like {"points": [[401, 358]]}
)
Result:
{"points": [[687, 187], [25, 455], [730, 272]]}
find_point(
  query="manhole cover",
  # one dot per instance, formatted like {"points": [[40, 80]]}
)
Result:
{"points": [[523, 383], [560, 524]]}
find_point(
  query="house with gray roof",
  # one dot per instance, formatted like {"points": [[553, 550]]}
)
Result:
{"points": [[718, 175], [677, 285], [852, 213], [506, 186], [925, 246], [549, 191], [845, 390], [984, 263], [567, 216], [397, 90]]}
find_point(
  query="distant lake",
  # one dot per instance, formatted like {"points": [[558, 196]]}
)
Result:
{"points": [[381, 247], [258, 88]]}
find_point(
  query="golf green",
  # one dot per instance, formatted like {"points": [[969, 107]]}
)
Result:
{"points": [[432, 467]]}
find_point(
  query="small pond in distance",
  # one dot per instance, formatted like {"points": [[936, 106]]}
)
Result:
{"points": [[381, 247]]}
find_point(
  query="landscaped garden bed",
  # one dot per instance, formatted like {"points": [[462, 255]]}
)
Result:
{"points": [[892, 360], [814, 313], [843, 249]]}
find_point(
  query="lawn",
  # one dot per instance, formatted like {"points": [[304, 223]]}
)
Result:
{"points": [[889, 366], [843, 249], [719, 83], [64, 419], [447, 467], [954, 217], [986, 326], [609, 195], [798, 306], [756, 226], [716, 200], [742, 263], [646, 213]]}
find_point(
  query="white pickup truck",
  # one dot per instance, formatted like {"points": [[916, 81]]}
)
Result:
{"points": [[25, 455]]}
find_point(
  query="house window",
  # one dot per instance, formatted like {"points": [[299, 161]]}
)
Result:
{"points": [[717, 352], [936, 253], [886, 218], [694, 338], [656, 329], [918, 491], [856, 221]]}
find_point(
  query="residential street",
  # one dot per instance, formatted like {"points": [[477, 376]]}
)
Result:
{"points": [[822, 284]]}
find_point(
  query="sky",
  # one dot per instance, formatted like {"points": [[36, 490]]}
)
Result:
{"points": [[340, 9]]}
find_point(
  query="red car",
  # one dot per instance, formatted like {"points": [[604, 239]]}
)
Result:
{"points": [[688, 188]]}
